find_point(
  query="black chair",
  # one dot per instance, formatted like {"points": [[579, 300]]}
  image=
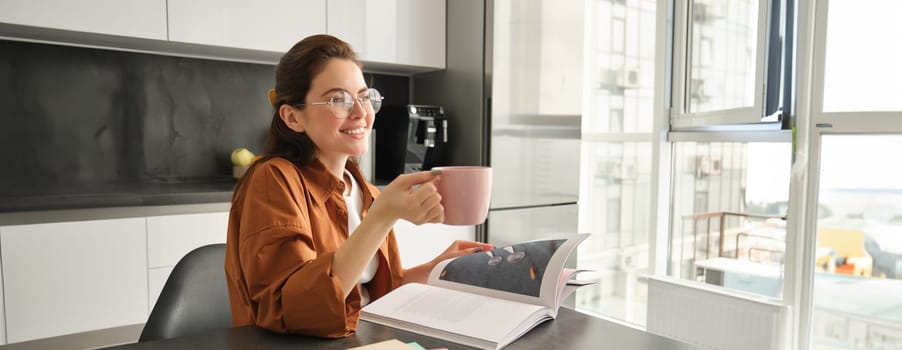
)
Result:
{"points": [[194, 299]]}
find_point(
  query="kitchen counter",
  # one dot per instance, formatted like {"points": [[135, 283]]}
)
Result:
{"points": [[116, 202], [137, 195]]}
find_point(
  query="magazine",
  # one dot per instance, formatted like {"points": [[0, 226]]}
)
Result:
{"points": [[485, 300]]}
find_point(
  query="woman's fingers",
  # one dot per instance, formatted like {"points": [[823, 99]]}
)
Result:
{"points": [[436, 215], [424, 191], [424, 205], [432, 214], [432, 201], [463, 244], [412, 197], [406, 181]]}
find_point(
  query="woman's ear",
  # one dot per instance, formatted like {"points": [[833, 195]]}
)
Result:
{"points": [[291, 117]]}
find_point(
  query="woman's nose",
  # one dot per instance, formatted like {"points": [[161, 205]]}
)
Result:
{"points": [[357, 109]]}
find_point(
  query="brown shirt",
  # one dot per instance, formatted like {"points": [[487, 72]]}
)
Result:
{"points": [[284, 227]]}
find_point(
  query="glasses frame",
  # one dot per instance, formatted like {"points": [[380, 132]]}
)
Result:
{"points": [[374, 101]]}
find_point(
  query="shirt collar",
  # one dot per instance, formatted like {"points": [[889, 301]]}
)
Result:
{"points": [[365, 188], [323, 184]]}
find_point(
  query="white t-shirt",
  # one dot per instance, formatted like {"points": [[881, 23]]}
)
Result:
{"points": [[354, 202]]}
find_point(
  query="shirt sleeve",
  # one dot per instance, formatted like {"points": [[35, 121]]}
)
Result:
{"points": [[290, 284]]}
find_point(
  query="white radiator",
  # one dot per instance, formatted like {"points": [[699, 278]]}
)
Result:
{"points": [[715, 318]]}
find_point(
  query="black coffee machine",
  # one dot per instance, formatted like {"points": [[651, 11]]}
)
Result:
{"points": [[409, 139]]}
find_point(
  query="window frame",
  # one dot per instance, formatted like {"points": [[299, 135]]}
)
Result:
{"points": [[674, 125], [656, 137], [812, 124], [743, 117], [768, 120], [803, 73]]}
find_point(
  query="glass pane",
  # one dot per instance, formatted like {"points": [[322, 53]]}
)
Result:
{"points": [[862, 67], [858, 273], [615, 206], [729, 205], [722, 49], [620, 89], [614, 200], [530, 76]]}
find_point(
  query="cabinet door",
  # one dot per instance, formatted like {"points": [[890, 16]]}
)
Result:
{"points": [[134, 18], [404, 32], [419, 244], [2, 310], [272, 25], [368, 26], [170, 237], [421, 33], [63, 278]]}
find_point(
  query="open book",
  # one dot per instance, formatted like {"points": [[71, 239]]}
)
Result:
{"points": [[485, 300]]}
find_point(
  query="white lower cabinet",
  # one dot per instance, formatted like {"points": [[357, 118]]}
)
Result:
{"points": [[419, 244], [63, 278], [70, 277], [170, 237], [2, 309], [156, 279]]}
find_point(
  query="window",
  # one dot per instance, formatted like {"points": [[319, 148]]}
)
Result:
{"points": [[723, 39], [730, 161], [855, 126], [728, 214], [861, 70], [615, 200], [720, 62], [858, 251]]}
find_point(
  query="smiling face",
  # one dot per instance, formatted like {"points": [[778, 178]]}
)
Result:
{"points": [[335, 139]]}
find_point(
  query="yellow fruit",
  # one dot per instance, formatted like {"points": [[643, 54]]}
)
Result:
{"points": [[242, 157]]}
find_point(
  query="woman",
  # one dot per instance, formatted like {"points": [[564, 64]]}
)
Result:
{"points": [[308, 243]]}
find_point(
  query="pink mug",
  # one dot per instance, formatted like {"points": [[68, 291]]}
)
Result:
{"points": [[466, 192]]}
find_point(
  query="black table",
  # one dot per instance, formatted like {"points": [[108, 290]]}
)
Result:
{"points": [[571, 330]]}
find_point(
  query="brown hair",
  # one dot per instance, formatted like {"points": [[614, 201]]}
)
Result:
{"points": [[294, 74]]}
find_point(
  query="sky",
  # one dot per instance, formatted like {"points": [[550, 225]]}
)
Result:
{"points": [[861, 162], [861, 71]]}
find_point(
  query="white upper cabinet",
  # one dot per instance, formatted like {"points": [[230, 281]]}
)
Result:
{"points": [[133, 18], [406, 32], [421, 33], [389, 35], [271, 25]]}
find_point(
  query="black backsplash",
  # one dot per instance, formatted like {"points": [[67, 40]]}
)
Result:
{"points": [[78, 121]]}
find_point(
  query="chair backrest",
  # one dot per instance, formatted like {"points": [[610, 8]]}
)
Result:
{"points": [[194, 299]]}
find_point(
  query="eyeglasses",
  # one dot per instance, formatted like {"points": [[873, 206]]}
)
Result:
{"points": [[342, 103]]}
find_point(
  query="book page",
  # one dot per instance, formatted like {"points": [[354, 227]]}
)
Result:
{"points": [[470, 315], [573, 279], [527, 272]]}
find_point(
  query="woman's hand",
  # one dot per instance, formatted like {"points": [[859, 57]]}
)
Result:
{"points": [[460, 248], [412, 197], [420, 273]]}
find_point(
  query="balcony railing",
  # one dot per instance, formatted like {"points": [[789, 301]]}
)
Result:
{"points": [[715, 229]]}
